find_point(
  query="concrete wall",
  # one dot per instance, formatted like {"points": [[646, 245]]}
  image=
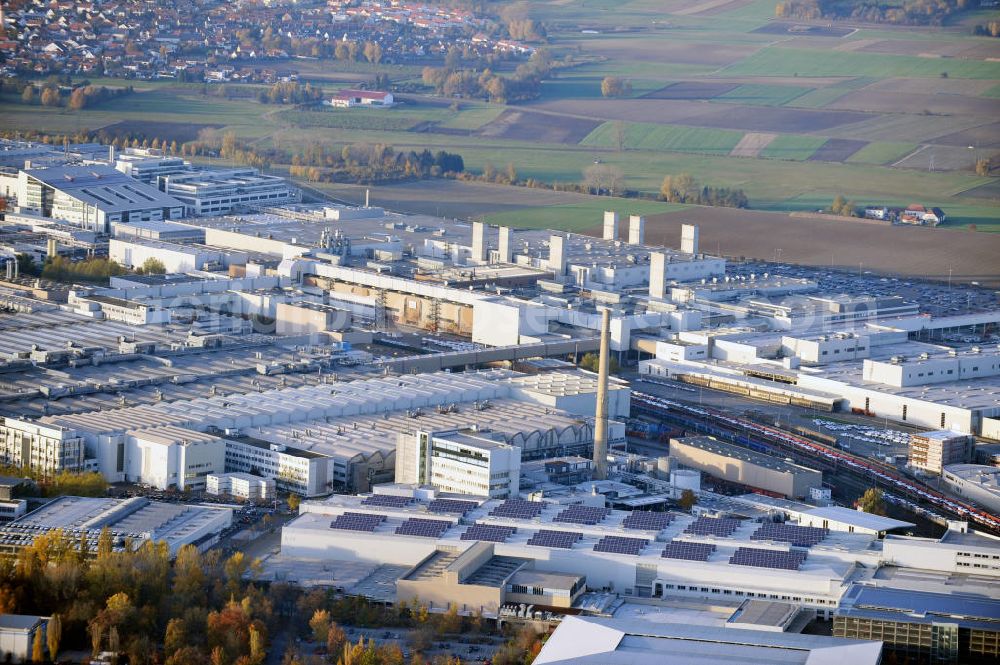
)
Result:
{"points": [[678, 352], [18, 644], [794, 483], [822, 351], [973, 490], [932, 370], [941, 556], [919, 412]]}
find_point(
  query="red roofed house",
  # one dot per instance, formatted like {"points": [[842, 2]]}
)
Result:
{"points": [[349, 98]]}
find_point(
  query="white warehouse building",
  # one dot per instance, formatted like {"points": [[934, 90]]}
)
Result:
{"points": [[93, 197], [675, 556], [315, 438], [176, 258], [217, 192]]}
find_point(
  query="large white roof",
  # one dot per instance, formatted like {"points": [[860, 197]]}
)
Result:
{"points": [[582, 640], [103, 187], [858, 518]]}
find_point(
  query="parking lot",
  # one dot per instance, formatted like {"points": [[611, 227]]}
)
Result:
{"points": [[882, 442], [862, 435], [934, 297]]}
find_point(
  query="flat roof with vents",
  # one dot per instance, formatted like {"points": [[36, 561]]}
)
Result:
{"points": [[103, 187]]}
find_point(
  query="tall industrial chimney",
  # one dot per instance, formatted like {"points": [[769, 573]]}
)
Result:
{"points": [[479, 253], [557, 255], [610, 225], [506, 246], [636, 230], [689, 238], [601, 414]]}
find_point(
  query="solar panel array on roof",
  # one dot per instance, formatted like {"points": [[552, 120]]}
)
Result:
{"points": [[648, 521], [418, 526], [518, 508], [495, 533], [713, 526], [560, 539], [799, 536], [357, 522], [387, 500], [450, 506], [762, 558], [620, 545], [582, 515], [681, 549]]}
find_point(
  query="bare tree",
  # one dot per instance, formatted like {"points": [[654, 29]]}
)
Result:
{"points": [[604, 179]]}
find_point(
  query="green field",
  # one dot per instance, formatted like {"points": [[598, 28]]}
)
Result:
{"points": [[160, 104], [790, 146], [778, 61], [648, 136], [882, 153], [818, 98], [993, 92], [578, 216], [473, 117], [763, 95]]}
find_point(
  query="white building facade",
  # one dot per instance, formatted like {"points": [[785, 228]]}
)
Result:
{"points": [[459, 461], [45, 448], [217, 192], [241, 485]]}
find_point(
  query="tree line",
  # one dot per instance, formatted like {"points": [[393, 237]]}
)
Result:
{"points": [[908, 12], [59, 484], [683, 188], [54, 93], [991, 29], [372, 163], [456, 81], [61, 269], [841, 206], [290, 92]]}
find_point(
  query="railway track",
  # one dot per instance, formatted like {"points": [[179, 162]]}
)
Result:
{"points": [[903, 490]]}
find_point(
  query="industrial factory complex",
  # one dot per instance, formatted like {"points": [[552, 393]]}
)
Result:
{"points": [[653, 450]]}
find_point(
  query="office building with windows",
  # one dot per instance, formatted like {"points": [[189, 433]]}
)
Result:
{"points": [[460, 461]]}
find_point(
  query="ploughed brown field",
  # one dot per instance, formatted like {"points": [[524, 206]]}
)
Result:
{"points": [[452, 198], [692, 90], [879, 101], [914, 252], [677, 52], [526, 126], [977, 50], [837, 150], [783, 120], [715, 116], [984, 136]]}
